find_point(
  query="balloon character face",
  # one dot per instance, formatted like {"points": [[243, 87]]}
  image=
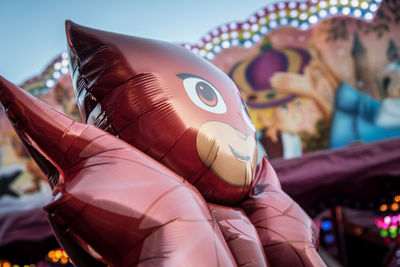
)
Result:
{"points": [[174, 106]]}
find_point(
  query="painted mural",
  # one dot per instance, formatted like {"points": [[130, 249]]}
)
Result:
{"points": [[333, 85]]}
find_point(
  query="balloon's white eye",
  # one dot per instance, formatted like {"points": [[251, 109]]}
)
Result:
{"points": [[203, 94], [246, 116]]}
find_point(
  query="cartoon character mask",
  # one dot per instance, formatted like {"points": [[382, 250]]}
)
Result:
{"points": [[174, 106]]}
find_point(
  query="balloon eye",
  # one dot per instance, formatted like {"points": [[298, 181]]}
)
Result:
{"points": [[203, 94], [206, 94]]}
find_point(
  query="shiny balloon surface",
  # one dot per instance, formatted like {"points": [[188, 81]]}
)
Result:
{"points": [[167, 178]]}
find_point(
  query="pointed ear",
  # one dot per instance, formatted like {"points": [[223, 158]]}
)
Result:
{"points": [[266, 175], [81, 40], [46, 133], [97, 66]]}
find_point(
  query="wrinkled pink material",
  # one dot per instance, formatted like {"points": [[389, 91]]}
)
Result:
{"points": [[125, 205]]}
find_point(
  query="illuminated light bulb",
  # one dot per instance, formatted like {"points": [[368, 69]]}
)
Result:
{"points": [[357, 13], [313, 19], [387, 219], [253, 19], [188, 47], [224, 28], [50, 83], [354, 3], [373, 7], [294, 23], [313, 9], [200, 43], [64, 63], [6, 264], [397, 198], [383, 208], [344, 2], [394, 207], [272, 16], [245, 26], [216, 40], [261, 12], [281, 5], [304, 26], [248, 44], [322, 13], [333, 10], [346, 11], [256, 38], [64, 260], [271, 8], [333, 2], [233, 26], [364, 5], [292, 4], [225, 44], [263, 20], [210, 56], [234, 34], [329, 238], [303, 16], [235, 42], [384, 233], [202, 52], [56, 75], [368, 16], [273, 24], [208, 46], [284, 21], [64, 55], [264, 30], [303, 6], [323, 4], [215, 32], [294, 13], [282, 13], [254, 27], [64, 70], [207, 37], [224, 36], [195, 50], [217, 49], [246, 35], [58, 254], [326, 225], [57, 66]]}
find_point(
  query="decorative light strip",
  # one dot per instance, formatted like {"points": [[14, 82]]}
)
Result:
{"points": [[301, 15], [389, 225], [44, 82], [296, 14]]}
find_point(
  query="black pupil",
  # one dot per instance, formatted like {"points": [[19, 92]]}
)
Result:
{"points": [[205, 91]]}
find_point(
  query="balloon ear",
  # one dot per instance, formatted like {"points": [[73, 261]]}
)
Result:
{"points": [[81, 40], [94, 63], [46, 133]]}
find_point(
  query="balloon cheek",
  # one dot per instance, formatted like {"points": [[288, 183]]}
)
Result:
{"points": [[227, 152]]}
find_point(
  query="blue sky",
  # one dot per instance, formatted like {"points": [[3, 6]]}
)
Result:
{"points": [[32, 32]]}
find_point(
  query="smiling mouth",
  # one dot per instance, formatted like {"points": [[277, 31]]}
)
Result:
{"points": [[238, 155]]}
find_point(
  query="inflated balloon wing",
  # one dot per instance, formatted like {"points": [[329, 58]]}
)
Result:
{"points": [[177, 137]]}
